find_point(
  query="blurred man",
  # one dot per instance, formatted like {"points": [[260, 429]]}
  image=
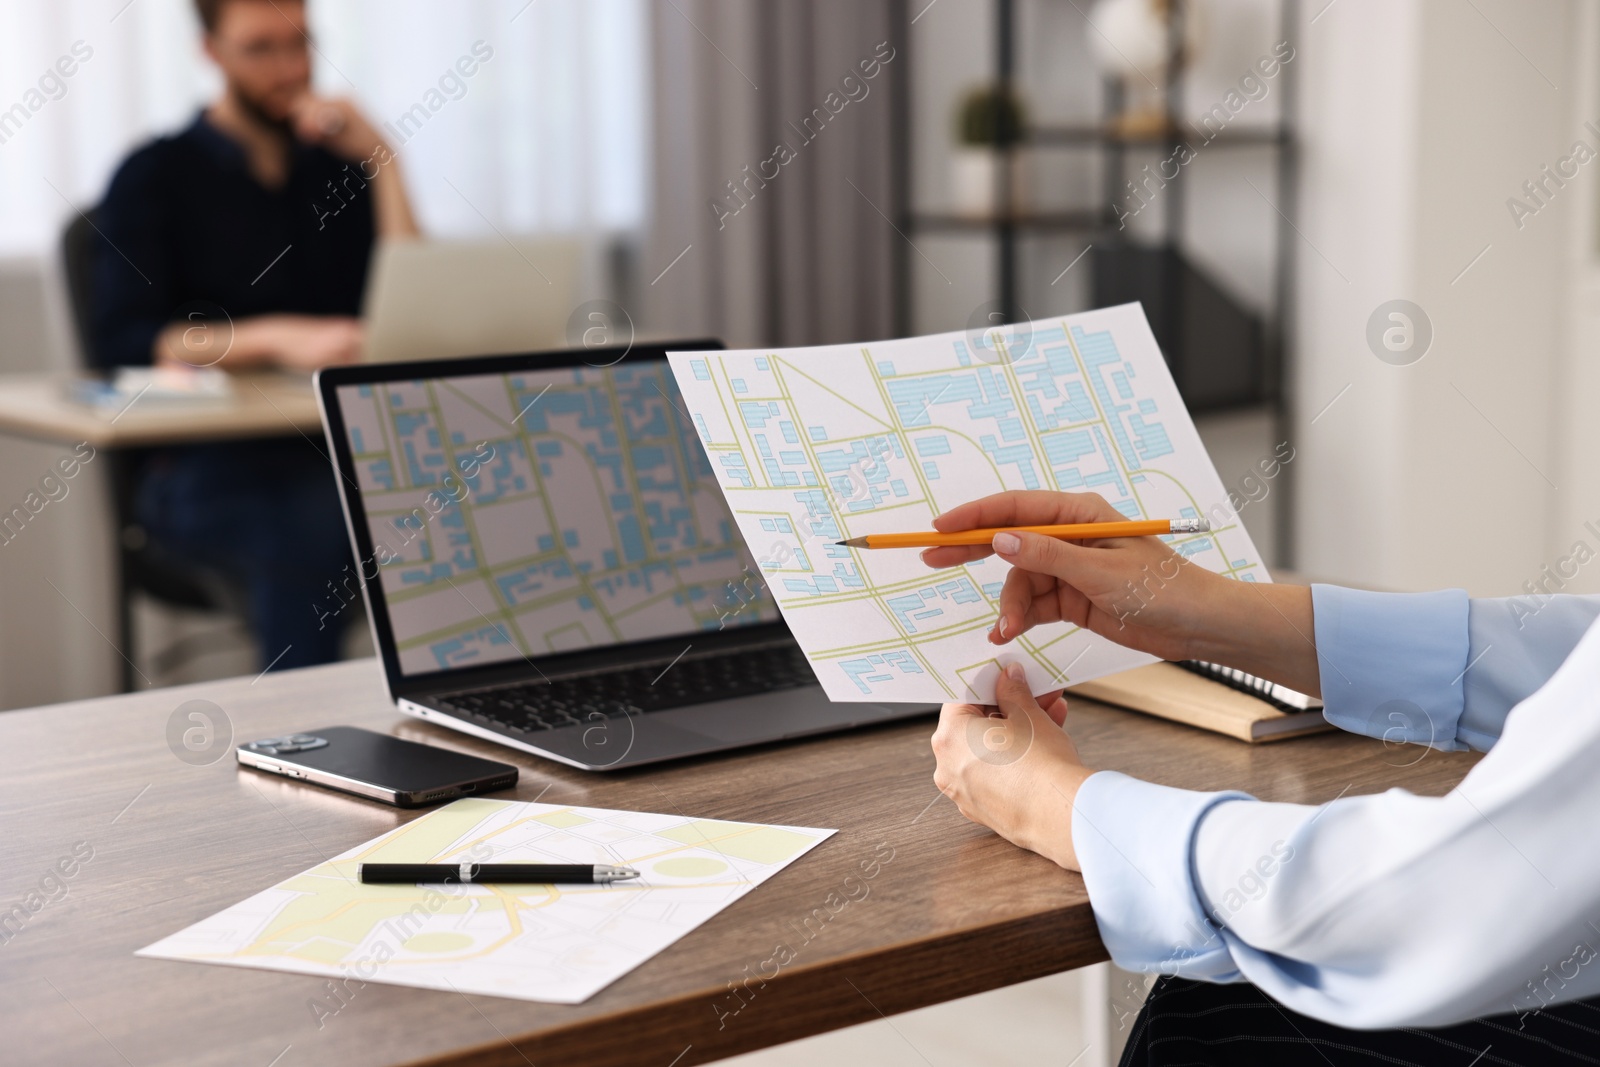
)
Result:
{"points": [[243, 242]]}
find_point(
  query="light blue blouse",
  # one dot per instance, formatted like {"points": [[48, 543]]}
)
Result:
{"points": [[1389, 909]]}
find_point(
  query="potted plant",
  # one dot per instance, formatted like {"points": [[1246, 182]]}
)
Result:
{"points": [[990, 124]]}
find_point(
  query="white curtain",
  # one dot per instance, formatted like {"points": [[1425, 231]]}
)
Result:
{"points": [[548, 135]]}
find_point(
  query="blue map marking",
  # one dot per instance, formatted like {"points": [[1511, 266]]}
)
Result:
{"points": [[382, 472], [1100, 353], [923, 605], [500, 476], [868, 670], [465, 649]]}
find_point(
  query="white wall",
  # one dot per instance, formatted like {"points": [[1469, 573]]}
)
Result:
{"points": [[53, 641], [1578, 380], [1419, 119]]}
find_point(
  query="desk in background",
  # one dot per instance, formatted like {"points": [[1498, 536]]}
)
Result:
{"points": [[264, 405], [956, 911], [37, 407]]}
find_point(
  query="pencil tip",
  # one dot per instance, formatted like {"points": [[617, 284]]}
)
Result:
{"points": [[853, 542]]}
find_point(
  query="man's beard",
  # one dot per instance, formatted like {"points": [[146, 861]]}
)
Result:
{"points": [[252, 108]]}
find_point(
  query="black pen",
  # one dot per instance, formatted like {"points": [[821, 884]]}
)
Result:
{"points": [[479, 873]]}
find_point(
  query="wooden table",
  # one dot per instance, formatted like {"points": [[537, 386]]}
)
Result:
{"points": [[264, 405], [955, 911]]}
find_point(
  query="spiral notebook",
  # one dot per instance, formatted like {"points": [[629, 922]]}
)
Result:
{"points": [[1211, 697], [1279, 696]]}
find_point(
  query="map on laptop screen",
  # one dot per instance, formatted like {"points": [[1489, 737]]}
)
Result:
{"points": [[519, 515]]}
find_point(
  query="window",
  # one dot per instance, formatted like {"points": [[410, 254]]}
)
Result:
{"points": [[547, 135]]}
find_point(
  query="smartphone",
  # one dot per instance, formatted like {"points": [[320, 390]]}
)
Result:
{"points": [[377, 766]]}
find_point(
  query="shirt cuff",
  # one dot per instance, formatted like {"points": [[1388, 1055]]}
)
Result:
{"points": [[1134, 842], [1392, 663]]}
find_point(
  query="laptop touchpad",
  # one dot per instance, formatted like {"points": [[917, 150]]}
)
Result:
{"points": [[769, 716], [617, 742]]}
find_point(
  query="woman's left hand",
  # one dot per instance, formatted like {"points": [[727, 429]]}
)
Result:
{"points": [[1012, 767]]}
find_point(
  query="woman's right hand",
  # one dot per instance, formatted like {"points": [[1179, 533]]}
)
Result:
{"points": [[1135, 591]]}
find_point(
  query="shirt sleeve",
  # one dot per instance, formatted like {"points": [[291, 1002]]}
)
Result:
{"points": [[1372, 911], [1438, 669], [131, 283], [1392, 663], [1515, 645], [1133, 840]]}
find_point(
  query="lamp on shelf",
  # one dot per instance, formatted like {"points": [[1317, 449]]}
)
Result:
{"points": [[1134, 41], [990, 124]]}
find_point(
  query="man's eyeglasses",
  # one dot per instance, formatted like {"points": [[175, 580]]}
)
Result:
{"points": [[264, 50]]}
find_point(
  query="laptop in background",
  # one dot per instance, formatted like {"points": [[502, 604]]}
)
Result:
{"points": [[548, 562], [438, 299]]}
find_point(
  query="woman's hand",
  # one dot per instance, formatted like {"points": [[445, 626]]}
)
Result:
{"points": [[1012, 767], [1134, 590]]}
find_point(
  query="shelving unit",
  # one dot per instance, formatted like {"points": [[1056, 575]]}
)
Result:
{"points": [[1223, 355]]}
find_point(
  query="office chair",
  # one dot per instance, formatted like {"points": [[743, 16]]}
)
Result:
{"points": [[142, 565]]}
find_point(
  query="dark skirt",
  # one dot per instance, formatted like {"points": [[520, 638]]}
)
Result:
{"points": [[1184, 1022]]}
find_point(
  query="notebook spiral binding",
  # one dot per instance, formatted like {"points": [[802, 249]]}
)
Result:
{"points": [[1279, 696]]}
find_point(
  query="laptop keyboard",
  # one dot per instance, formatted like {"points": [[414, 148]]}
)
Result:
{"points": [[541, 705]]}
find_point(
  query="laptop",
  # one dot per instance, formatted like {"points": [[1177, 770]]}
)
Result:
{"points": [[548, 562], [437, 299]]}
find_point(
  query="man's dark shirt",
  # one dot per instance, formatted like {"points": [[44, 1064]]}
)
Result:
{"points": [[192, 233]]}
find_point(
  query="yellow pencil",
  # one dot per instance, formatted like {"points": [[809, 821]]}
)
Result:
{"points": [[1081, 531]]}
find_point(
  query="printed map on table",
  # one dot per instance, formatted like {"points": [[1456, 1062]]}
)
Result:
{"points": [[816, 445], [560, 944], [516, 515]]}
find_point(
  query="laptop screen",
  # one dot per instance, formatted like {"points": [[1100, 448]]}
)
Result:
{"points": [[518, 515]]}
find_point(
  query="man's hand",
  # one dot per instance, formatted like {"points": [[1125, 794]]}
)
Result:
{"points": [[1012, 767], [337, 125], [298, 342], [1134, 590], [311, 342]]}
